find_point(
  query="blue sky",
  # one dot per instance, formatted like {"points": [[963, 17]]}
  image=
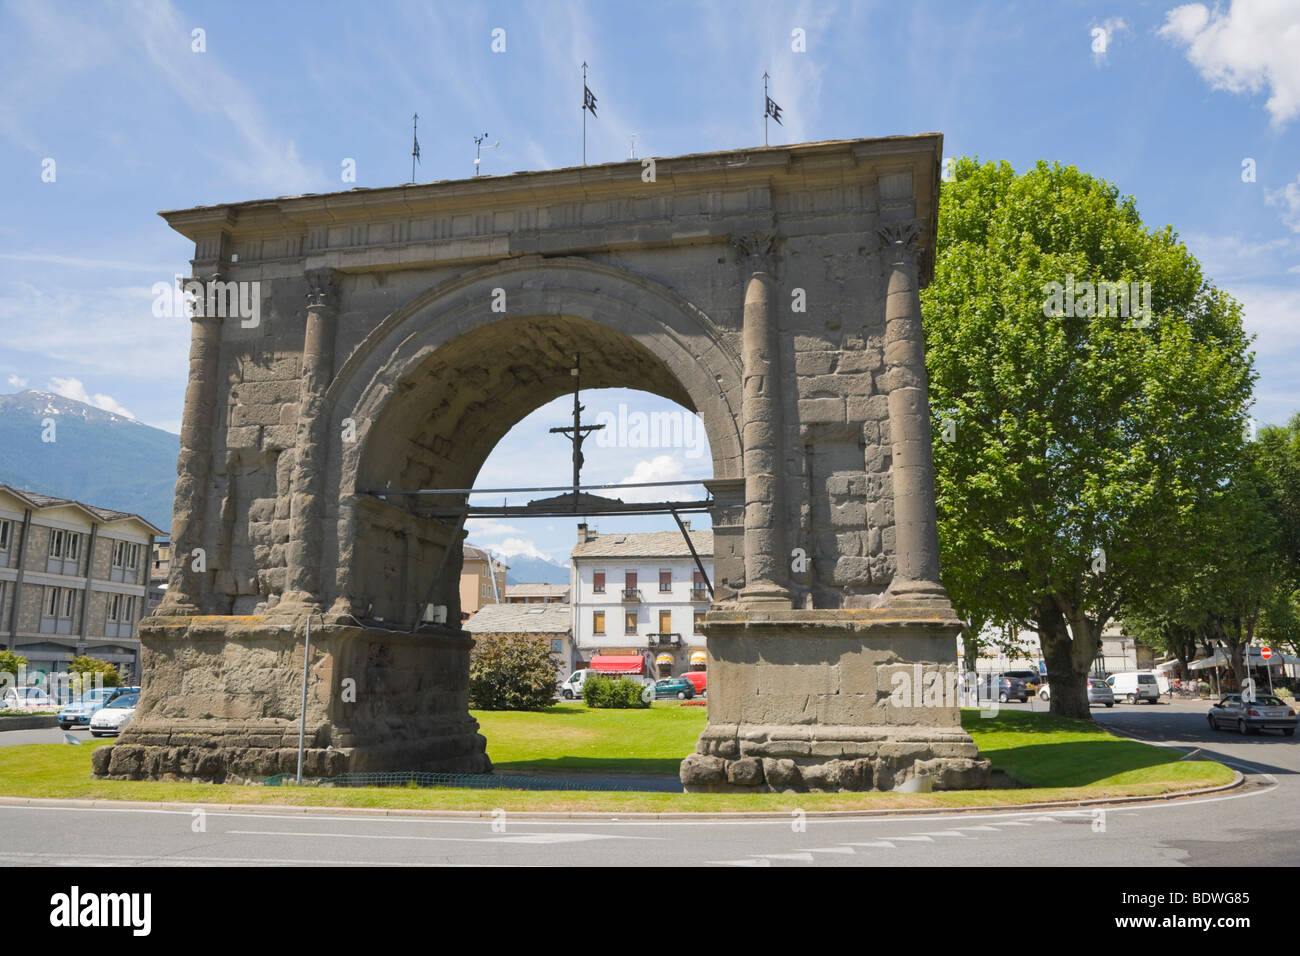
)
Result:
{"points": [[136, 121]]}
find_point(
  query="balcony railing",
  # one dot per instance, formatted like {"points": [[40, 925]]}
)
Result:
{"points": [[664, 640], [700, 593], [631, 595]]}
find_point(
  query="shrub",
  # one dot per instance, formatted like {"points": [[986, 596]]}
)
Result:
{"points": [[85, 668], [511, 672], [11, 663], [1285, 692], [620, 693]]}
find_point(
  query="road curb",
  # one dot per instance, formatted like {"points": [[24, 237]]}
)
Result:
{"points": [[772, 815], [28, 723]]}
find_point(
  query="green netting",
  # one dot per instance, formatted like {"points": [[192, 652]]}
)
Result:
{"points": [[474, 781]]}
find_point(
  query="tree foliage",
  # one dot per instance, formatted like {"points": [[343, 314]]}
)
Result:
{"points": [[1083, 441], [511, 672], [86, 668]]}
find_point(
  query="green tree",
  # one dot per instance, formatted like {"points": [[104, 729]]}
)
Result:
{"points": [[1083, 437], [511, 672], [85, 669], [11, 663]]}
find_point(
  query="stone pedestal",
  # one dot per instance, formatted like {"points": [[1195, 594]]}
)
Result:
{"points": [[222, 697], [832, 700]]}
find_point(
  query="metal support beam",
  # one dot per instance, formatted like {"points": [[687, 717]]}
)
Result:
{"points": [[698, 563]]}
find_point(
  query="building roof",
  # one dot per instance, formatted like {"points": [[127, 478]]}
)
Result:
{"points": [[39, 502], [537, 590], [521, 619], [478, 554], [654, 544]]}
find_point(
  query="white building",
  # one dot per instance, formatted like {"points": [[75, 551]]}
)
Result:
{"points": [[641, 595]]}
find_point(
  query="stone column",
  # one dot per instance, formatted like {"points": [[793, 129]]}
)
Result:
{"points": [[311, 451], [185, 585], [915, 525], [765, 555]]}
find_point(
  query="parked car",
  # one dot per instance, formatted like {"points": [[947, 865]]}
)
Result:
{"points": [[1005, 687], [83, 708], [1265, 712], [699, 680], [26, 698], [109, 720], [1033, 679], [1134, 686], [678, 687], [1098, 692]]}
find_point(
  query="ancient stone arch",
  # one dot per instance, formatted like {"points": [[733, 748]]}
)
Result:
{"points": [[388, 338]]}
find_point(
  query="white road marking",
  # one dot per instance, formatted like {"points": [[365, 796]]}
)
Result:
{"points": [[801, 857], [915, 838], [884, 843], [844, 848]]}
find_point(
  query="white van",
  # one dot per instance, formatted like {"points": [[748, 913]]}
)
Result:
{"points": [[571, 686], [1134, 686]]}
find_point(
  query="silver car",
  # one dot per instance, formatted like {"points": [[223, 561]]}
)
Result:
{"points": [[1099, 692], [1265, 712]]}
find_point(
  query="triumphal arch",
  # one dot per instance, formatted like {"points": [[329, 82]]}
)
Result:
{"points": [[389, 338]]}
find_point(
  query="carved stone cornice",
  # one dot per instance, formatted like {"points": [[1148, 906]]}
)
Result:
{"points": [[322, 289], [900, 242], [757, 249]]}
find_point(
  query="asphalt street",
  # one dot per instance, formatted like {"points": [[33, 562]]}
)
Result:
{"points": [[1255, 825]]}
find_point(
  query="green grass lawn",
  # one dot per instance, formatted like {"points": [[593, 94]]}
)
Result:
{"points": [[1056, 759]]}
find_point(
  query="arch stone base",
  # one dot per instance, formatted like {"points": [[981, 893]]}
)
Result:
{"points": [[222, 698], [833, 700]]}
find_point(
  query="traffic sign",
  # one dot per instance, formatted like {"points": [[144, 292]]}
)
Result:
{"points": [[1265, 653]]}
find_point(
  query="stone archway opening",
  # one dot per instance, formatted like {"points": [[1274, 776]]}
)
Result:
{"points": [[441, 424]]}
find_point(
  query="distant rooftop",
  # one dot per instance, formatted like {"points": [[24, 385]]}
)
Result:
{"points": [[537, 590], [653, 544], [521, 619], [40, 502], [478, 554]]}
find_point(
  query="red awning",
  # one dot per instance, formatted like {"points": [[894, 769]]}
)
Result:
{"points": [[618, 663]]}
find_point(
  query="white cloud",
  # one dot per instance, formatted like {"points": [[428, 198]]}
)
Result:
{"points": [[1251, 47], [17, 382], [659, 468], [1226, 257], [489, 528], [1288, 197], [1107, 29], [73, 389]]}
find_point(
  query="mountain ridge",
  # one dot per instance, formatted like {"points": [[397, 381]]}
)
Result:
{"points": [[97, 457]]}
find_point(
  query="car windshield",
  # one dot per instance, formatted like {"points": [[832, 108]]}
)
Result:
{"points": [[126, 700], [1146, 679], [1268, 701]]}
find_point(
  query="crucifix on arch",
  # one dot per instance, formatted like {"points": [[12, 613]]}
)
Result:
{"points": [[577, 432]]}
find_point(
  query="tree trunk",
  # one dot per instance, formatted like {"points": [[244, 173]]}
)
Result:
{"points": [[1066, 677]]}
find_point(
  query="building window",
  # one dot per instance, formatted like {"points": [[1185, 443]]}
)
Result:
{"points": [[126, 555], [121, 615], [6, 534], [65, 544], [630, 580], [665, 579], [598, 582], [629, 622], [58, 610], [699, 622], [598, 622], [557, 645], [665, 622]]}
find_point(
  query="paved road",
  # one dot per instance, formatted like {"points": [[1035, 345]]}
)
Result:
{"points": [[1257, 825]]}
